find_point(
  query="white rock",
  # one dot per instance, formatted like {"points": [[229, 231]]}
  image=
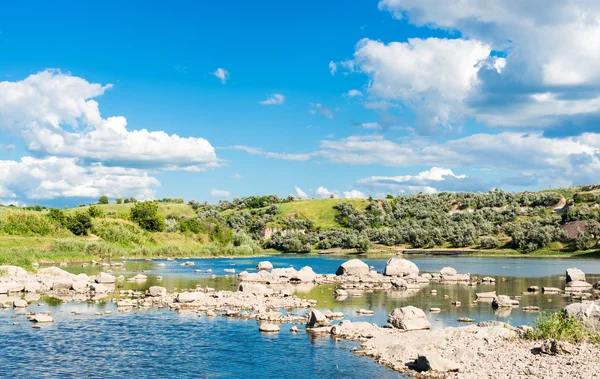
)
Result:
{"points": [[408, 318], [400, 267], [20, 303], [575, 274], [104, 278], [353, 267], [156, 291], [448, 271], [268, 328], [264, 265]]}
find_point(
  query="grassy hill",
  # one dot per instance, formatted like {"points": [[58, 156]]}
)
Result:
{"points": [[319, 211]]}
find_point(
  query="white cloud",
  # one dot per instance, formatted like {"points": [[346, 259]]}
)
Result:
{"points": [[301, 194], [332, 67], [9, 147], [325, 111], [353, 93], [55, 115], [554, 49], [236, 176], [222, 74], [219, 193], [354, 194], [367, 125], [274, 99], [268, 154], [55, 177], [432, 77], [324, 192]]}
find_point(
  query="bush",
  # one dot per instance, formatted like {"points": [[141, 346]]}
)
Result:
{"points": [[95, 212], [488, 242], [119, 200], [26, 223], [57, 216], [562, 327], [121, 233], [103, 200], [190, 225], [80, 223], [146, 215]]}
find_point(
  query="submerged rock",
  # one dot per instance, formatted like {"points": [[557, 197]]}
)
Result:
{"points": [[268, 328], [408, 318], [41, 318]]}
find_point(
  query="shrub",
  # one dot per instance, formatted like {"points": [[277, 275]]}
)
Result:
{"points": [[103, 200], [190, 225], [57, 216], [121, 233], [26, 223], [562, 327], [119, 200], [488, 242], [146, 215], [95, 212], [80, 223]]}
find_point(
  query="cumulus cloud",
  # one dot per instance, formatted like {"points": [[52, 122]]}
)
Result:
{"points": [[274, 99], [222, 74], [433, 180], [354, 194], [553, 51], [219, 193], [324, 192], [332, 67], [236, 176], [56, 115], [268, 154], [431, 77], [353, 93], [325, 111], [54, 177], [367, 125], [301, 194]]}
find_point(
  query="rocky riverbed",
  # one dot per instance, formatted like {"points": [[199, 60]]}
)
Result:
{"points": [[406, 343]]}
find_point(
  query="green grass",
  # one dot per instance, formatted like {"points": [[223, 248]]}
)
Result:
{"points": [[561, 327], [320, 211]]}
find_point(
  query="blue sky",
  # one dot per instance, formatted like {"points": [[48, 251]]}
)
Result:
{"points": [[470, 96]]}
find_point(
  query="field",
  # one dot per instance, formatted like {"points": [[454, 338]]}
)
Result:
{"points": [[319, 211]]}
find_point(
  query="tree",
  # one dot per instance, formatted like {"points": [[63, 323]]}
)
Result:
{"points": [[146, 215], [103, 200], [95, 211], [80, 223], [57, 216], [119, 200], [127, 201]]}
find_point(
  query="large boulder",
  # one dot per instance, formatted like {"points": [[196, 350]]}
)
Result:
{"points": [[588, 312], [316, 319], [575, 274], [105, 278], [189, 297], [264, 265], [304, 275], [408, 318], [503, 301], [157, 291], [254, 289], [20, 303], [268, 328], [33, 286], [353, 267], [80, 287], [12, 272], [11, 287], [448, 271], [62, 285], [400, 267]]}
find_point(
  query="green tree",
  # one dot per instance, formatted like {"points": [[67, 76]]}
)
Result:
{"points": [[95, 211], [119, 200], [79, 224], [146, 215], [57, 216], [103, 200]]}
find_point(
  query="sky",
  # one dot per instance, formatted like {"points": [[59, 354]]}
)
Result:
{"points": [[216, 100]]}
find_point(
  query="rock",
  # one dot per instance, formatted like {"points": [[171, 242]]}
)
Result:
{"points": [[157, 291], [531, 308], [365, 312], [125, 303], [294, 329], [268, 328], [550, 290], [264, 265], [12, 272], [354, 330], [210, 313], [80, 287], [408, 318], [189, 263], [574, 275], [554, 347], [488, 279], [62, 284], [400, 267], [99, 288], [20, 303], [431, 361], [255, 289], [229, 270], [105, 278], [188, 297], [40, 318], [54, 271], [340, 293], [354, 267], [533, 289], [140, 277], [456, 303], [485, 295], [588, 312], [465, 319], [577, 286], [448, 271], [435, 310], [503, 301], [161, 264], [305, 275], [33, 286], [316, 319]]}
